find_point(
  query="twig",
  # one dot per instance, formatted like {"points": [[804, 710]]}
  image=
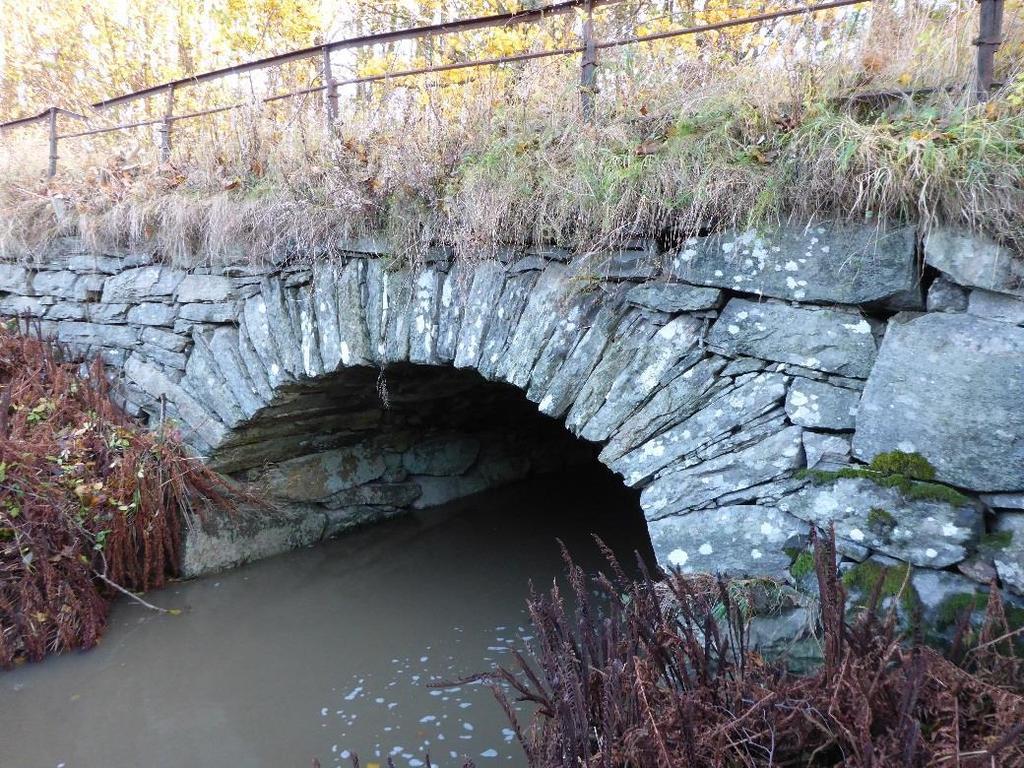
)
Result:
{"points": [[131, 594]]}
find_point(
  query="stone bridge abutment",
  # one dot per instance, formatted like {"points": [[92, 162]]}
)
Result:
{"points": [[742, 382]]}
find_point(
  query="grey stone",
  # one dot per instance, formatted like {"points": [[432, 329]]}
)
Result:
{"points": [[98, 335], [12, 306], [934, 534], [820, 339], [280, 327], [153, 314], [423, 321], [950, 387], [561, 391], [15, 279], [205, 288], [735, 541], [396, 315], [504, 322], [724, 414], [643, 375], [67, 310], [205, 380], [826, 452], [1009, 558], [141, 283], [673, 403], [349, 518], [354, 346], [827, 263], [93, 263], [536, 324], [997, 306], [527, 264], [975, 261], [208, 313], [108, 313], [456, 287], [622, 265], [448, 455], [935, 588], [224, 344], [571, 325], [946, 296], [257, 324], [60, 284], [441, 490], [633, 331], [303, 318], [253, 364], [164, 357], [321, 475], [676, 491], [674, 297], [155, 337], [204, 426], [816, 404], [249, 534], [324, 289], [488, 281], [376, 494], [1004, 500]]}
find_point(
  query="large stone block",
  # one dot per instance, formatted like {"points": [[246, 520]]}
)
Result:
{"points": [[140, 284], [674, 297], [205, 288], [924, 533], [975, 260], [817, 404], [15, 279], [827, 263], [1008, 552], [950, 387], [680, 490], [820, 339], [737, 541], [448, 455], [321, 475]]}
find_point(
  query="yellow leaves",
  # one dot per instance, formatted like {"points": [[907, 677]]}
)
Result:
{"points": [[905, 79]]}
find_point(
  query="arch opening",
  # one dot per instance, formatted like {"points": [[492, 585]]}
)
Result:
{"points": [[363, 445]]}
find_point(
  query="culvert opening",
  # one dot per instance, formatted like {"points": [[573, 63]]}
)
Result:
{"points": [[365, 445]]}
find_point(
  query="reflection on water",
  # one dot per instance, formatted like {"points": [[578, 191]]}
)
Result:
{"points": [[325, 651]]}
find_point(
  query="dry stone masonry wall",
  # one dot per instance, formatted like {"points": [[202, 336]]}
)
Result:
{"points": [[742, 382]]}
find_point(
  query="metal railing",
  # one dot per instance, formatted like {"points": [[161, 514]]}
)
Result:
{"points": [[987, 42]]}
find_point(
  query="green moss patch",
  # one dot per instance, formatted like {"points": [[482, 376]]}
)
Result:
{"points": [[909, 473]]}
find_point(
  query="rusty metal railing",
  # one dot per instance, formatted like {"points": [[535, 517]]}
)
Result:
{"points": [[987, 42]]}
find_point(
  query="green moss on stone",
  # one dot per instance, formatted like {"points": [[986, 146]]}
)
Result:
{"points": [[997, 540], [803, 565], [880, 521], [912, 465], [895, 582], [912, 482], [949, 610]]}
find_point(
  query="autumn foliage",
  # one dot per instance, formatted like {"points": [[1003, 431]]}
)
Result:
{"points": [[651, 675], [88, 500]]}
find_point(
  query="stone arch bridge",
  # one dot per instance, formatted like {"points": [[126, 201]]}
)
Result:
{"points": [[708, 377]]}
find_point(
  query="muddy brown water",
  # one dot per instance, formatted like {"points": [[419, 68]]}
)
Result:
{"points": [[325, 651]]}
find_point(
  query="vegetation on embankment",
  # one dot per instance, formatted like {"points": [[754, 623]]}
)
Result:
{"points": [[91, 504], [683, 142], [654, 677]]}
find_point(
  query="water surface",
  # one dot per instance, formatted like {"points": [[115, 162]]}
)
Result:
{"points": [[323, 651]]}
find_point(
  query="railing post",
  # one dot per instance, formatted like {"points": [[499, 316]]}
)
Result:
{"points": [[588, 65], [990, 24], [331, 89], [51, 170], [165, 127]]}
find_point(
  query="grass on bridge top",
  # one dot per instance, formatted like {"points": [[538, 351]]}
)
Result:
{"points": [[679, 145]]}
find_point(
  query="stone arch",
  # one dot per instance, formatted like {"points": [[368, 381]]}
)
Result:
{"points": [[628, 369], [708, 376]]}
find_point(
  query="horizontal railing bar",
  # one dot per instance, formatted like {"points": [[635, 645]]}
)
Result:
{"points": [[568, 51], [462, 25], [462, 65], [729, 23], [41, 116]]}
